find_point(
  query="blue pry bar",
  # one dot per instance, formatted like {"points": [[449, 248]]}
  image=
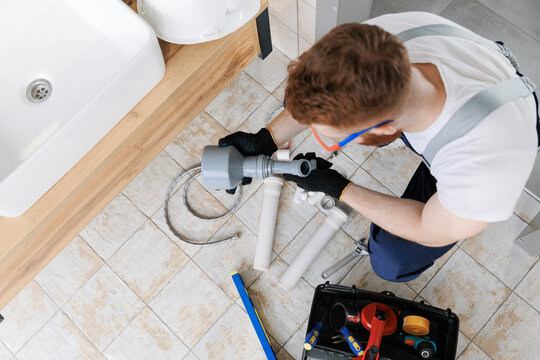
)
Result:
{"points": [[253, 316]]}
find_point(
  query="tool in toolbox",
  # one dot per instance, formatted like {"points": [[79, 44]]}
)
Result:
{"points": [[353, 343], [416, 325], [425, 347], [359, 250], [313, 335], [380, 320]]}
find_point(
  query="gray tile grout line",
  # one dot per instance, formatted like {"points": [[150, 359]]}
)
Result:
{"points": [[145, 305], [61, 307], [8, 349], [436, 272], [509, 22], [42, 326], [282, 23], [498, 307], [491, 273], [447, 6]]}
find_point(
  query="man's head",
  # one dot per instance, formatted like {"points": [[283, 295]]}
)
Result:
{"points": [[356, 76]]}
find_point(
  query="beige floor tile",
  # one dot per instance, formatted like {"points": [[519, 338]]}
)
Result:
{"points": [[529, 288], [25, 315], [393, 167], [103, 307], [306, 21], [342, 163], [508, 333], [283, 38], [147, 261], [281, 311], [146, 337], [222, 260], [363, 277], [283, 355], [280, 91], [495, 249], [463, 342], [421, 281], [358, 226], [231, 337], [59, 339], [261, 117], [69, 270], [234, 104], [527, 207], [271, 71], [113, 226], [159, 219], [190, 304], [358, 153], [187, 225], [5, 354], [187, 147], [286, 11], [473, 352], [228, 200], [295, 345], [468, 289], [291, 217], [337, 248], [148, 189]]}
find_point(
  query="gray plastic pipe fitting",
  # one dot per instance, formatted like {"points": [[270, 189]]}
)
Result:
{"points": [[225, 167]]}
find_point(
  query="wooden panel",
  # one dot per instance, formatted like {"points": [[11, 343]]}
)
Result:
{"points": [[195, 75]]}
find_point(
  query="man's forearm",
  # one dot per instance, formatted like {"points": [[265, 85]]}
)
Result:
{"points": [[284, 127], [401, 217]]}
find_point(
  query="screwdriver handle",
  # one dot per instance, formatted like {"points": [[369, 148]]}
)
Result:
{"points": [[311, 338], [353, 343]]}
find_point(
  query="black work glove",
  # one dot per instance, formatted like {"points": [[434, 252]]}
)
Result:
{"points": [[261, 143], [323, 179], [251, 144]]}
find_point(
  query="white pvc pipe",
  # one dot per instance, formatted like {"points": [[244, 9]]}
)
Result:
{"points": [[267, 224], [335, 218]]}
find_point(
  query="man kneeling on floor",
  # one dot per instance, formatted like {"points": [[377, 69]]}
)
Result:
{"points": [[455, 98]]}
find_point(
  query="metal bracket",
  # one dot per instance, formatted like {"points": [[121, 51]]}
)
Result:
{"points": [[263, 29]]}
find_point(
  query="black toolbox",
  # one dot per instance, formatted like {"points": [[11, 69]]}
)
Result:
{"points": [[444, 325]]}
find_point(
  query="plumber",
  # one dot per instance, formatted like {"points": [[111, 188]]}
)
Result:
{"points": [[447, 93]]}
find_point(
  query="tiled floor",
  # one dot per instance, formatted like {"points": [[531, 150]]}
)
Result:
{"points": [[126, 288]]}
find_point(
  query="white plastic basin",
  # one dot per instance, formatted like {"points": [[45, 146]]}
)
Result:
{"points": [[100, 59]]}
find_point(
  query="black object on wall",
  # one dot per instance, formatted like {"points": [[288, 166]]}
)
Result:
{"points": [[263, 28]]}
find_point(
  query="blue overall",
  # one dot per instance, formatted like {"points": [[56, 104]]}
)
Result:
{"points": [[399, 260]]}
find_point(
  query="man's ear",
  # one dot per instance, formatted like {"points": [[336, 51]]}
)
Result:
{"points": [[386, 129]]}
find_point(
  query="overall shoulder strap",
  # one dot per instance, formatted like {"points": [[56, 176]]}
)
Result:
{"points": [[480, 105], [475, 110], [450, 30]]}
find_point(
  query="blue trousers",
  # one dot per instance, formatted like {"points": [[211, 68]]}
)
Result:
{"points": [[394, 258]]}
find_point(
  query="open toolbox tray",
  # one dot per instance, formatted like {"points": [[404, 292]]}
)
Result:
{"points": [[444, 325]]}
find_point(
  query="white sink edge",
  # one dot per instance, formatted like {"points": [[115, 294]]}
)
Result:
{"points": [[15, 203]]}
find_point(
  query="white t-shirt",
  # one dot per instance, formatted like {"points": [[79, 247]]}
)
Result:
{"points": [[480, 175]]}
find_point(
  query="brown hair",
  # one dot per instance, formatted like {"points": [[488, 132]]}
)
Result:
{"points": [[355, 73]]}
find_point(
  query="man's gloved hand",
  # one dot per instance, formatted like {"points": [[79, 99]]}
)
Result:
{"points": [[261, 143], [251, 144], [323, 179]]}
